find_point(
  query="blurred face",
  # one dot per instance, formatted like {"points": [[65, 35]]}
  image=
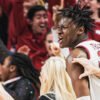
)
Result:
{"points": [[93, 4], [40, 22], [67, 33], [48, 41], [5, 70]]}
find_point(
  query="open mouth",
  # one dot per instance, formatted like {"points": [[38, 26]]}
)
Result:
{"points": [[43, 26], [60, 40]]}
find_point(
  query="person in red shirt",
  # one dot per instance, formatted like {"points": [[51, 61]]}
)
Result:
{"points": [[34, 37], [94, 5], [14, 11], [17, 24]]}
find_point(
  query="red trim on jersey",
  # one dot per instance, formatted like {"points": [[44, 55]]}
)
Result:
{"points": [[86, 50]]}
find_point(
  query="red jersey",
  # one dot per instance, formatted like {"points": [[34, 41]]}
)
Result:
{"points": [[35, 42], [17, 22]]}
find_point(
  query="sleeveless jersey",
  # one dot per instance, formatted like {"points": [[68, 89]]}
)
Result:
{"points": [[93, 51]]}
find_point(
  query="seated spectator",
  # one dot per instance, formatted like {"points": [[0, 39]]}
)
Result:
{"points": [[18, 76], [55, 82]]}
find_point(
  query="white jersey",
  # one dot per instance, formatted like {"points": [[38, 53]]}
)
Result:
{"points": [[93, 51]]}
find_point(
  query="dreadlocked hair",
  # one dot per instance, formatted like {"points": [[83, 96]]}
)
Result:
{"points": [[79, 16], [25, 68]]}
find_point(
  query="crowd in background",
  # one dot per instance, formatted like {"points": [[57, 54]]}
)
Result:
{"points": [[30, 46]]}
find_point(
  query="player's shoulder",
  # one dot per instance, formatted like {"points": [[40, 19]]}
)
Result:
{"points": [[78, 53]]}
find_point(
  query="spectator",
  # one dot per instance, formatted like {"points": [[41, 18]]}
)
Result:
{"points": [[94, 5], [55, 82], [35, 38], [48, 41], [17, 76], [16, 20]]}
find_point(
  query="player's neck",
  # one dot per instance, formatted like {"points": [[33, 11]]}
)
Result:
{"points": [[79, 40]]}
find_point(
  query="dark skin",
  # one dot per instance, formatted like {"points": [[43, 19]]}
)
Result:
{"points": [[74, 70], [7, 71], [69, 36], [16, 89]]}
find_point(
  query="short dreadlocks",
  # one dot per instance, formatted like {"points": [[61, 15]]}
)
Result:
{"points": [[80, 16]]}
